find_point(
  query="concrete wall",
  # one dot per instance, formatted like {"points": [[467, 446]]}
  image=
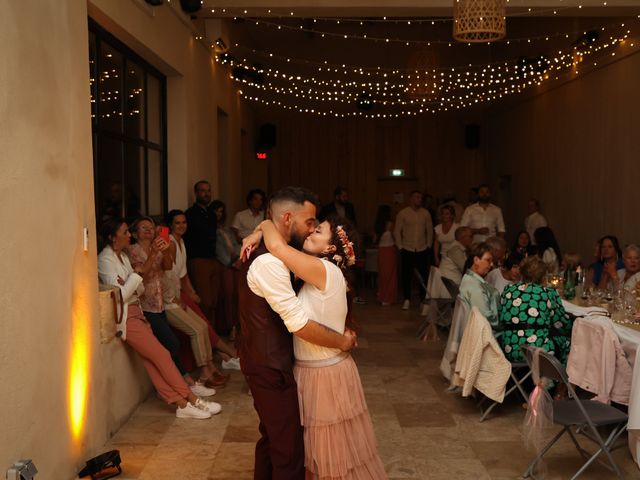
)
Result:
{"points": [[50, 353]]}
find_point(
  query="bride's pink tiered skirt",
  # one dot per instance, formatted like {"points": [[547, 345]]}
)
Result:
{"points": [[339, 440]]}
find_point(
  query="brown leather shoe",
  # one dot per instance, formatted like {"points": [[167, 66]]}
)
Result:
{"points": [[214, 382], [219, 374]]}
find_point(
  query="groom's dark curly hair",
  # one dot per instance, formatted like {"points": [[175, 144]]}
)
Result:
{"points": [[297, 195]]}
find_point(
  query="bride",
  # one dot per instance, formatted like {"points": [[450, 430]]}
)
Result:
{"points": [[339, 439]]}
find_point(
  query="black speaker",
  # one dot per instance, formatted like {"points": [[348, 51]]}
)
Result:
{"points": [[267, 137], [191, 6], [472, 136]]}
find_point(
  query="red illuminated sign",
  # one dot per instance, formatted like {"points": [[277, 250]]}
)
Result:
{"points": [[261, 155]]}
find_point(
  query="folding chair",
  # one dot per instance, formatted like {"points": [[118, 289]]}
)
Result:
{"points": [[458, 323], [585, 415], [517, 368], [438, 303]]}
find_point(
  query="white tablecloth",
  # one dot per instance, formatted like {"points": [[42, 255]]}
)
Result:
{"points": [[630, 341]]}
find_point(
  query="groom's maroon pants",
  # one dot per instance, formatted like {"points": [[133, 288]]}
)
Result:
{"points": [[280, 450]]}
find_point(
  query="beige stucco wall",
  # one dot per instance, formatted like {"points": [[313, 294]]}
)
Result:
{"points": [[49, 284]]}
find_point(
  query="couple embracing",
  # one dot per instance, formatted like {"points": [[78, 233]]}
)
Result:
{"points": [[294, 349]]}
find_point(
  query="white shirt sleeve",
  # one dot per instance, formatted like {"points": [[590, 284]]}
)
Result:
{"points": [[500, 220], [237, 221], [466, 217], [269, 278]]}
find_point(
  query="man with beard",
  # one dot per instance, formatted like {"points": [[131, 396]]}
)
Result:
{"points": [[269, 313], [341, 207], [483, 217]]}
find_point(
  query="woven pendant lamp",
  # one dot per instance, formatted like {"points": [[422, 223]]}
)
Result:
{"points": [[476, 21]]}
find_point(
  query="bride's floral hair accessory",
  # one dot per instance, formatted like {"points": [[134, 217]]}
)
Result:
{"points": [[347, 248]]}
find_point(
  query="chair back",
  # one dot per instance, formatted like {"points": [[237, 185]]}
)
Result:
{"points": [[451, 287], [548, 365]]}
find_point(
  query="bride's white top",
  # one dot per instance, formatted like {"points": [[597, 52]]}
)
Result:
{"points": [[327, 307]]}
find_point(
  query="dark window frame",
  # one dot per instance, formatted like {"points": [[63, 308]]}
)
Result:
{"points": [[101, 35]]}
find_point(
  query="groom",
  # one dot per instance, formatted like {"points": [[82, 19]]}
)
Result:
{"points": [[269, 313]]}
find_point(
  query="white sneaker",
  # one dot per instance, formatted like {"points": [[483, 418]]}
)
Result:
{"points": [[191, 411], [231, 364], [200, 390], [406, 305], [212, 408]]}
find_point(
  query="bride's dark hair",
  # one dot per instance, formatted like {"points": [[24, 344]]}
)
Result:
{"points": [[345, 238]]}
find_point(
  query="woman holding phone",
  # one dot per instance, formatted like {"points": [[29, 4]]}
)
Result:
{"points": [[150, 256], [115, 270]]}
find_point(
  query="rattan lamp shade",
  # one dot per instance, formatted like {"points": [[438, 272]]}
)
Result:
{"points": [[476, 21]]}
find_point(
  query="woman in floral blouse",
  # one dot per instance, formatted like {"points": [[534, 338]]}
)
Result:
{"points": [[531, 314]]}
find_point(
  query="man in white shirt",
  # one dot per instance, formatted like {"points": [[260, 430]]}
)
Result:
{"points": [[269, 312], [414, 237], [534, 220], [484, 218], [247, 220]]}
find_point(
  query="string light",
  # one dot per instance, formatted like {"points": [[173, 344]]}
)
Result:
{"points": [[455, 88]]}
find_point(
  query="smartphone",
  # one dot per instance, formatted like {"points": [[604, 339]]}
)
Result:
{"points": [[164, 233]]}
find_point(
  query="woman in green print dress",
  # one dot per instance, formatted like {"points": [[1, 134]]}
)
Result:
{"points": [[531, 314]]}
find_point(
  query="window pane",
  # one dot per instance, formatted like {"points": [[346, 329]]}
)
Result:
{"points": [[154, 102], [110, 89], [109, 181], [156, 182], [134, 101], [92, 74], [134, 181]]}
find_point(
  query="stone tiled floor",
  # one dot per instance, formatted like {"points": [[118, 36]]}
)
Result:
{"points": [[423, 431]]}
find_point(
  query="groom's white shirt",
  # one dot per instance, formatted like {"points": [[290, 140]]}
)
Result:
{"points": [[270, 279]]}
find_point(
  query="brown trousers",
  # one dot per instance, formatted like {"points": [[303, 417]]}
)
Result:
{"points": [[206, 275], [280, 450]]}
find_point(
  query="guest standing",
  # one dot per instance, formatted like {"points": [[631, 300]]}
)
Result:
{"points": [[484, 218], [387, 257], [340, 207], [200, 239], [444, 233], [247, 220], [414, 237], [534, 219]]}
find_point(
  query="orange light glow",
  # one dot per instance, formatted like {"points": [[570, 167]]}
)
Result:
{"points": [[80, 360]]}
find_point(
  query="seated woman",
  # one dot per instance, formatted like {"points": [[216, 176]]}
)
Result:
{"points": [[531, 314], [523, 245], [507, 274], [604, 270], [186, 295], [629, 276], [444, 232], [150, 257], [474, 289], [548, 249], [115, 270]]}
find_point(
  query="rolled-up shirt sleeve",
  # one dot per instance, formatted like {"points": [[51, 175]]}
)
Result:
{"points": [[270, 279]]}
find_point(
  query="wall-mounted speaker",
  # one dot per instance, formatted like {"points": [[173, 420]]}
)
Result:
{"points": [[267, 136], [472, 136], [191, 6]]}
